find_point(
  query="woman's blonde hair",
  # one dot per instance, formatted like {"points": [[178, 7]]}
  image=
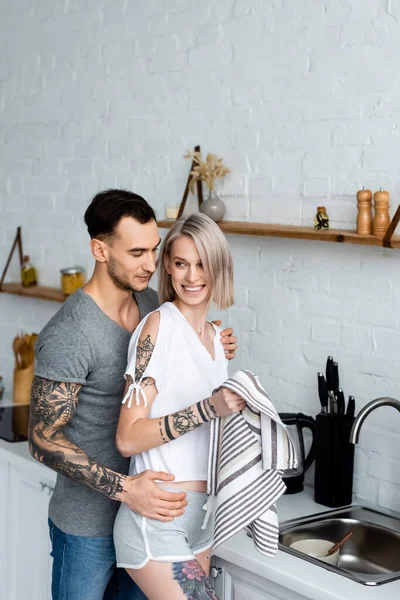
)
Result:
{"points": [[214, 254]]}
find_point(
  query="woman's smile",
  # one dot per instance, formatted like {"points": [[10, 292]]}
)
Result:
{"points": [[193, 289]]}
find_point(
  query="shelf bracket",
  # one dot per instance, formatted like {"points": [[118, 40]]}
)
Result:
{"points": [[387, 238], [17, 242], [187, 188]]}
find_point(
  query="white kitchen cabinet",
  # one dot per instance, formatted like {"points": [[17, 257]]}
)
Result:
{"points": [[233, 583], [28, 562], [3, 524]]}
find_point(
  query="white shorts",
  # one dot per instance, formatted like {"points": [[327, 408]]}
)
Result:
{"points": [[138, 539]]}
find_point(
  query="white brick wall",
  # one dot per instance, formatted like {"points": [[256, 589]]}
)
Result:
{"points": [[300, 97]]}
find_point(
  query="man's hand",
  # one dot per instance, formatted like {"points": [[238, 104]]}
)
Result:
{"points": [[143, 496], [228, 341], [226, 402]]}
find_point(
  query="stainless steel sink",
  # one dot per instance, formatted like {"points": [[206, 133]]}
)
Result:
{"points": [[371, 556]]}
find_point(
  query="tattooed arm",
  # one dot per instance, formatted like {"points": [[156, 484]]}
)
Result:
{"points": [[52, 406], [136, 432]]}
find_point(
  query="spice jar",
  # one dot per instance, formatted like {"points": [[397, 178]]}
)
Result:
{"points": [[321, 219], [72, 279], [28, 273]]}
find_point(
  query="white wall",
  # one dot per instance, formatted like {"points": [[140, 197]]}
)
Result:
{"points": [[301, 98]]}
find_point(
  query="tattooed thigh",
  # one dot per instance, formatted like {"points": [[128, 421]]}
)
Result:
{"points": [[193, 580]]}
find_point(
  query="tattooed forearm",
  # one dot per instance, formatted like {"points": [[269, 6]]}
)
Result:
{"points": [[52, 406], [188, 419], [144, 351]]}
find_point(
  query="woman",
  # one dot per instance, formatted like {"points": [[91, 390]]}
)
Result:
{"points": [[175, 361]]}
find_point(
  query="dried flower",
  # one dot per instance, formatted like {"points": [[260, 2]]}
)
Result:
{"points": [[208, 170]]}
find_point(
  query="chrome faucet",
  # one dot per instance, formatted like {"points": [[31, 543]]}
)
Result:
{"points": [[364, 412]]}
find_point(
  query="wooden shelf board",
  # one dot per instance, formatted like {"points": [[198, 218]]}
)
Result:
{"points": [[298, 232], [38, 291], [238, 227]]}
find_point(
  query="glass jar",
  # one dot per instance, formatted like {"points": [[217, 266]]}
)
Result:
{"points": [[28, 273], [72, 279]]}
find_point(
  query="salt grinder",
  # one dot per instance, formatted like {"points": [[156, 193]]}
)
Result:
{"points": [[381, 218], [364, 217]]}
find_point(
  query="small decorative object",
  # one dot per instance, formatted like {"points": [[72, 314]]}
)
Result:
{"points": [[381, 217], [364, 217], [213, 207], [28, 273], [208, 171], [1, 387], [72, 279], [171, 212], [321, 219]]}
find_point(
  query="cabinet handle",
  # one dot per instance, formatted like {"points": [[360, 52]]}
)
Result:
{"points": [[215, 571], [46, 486]]}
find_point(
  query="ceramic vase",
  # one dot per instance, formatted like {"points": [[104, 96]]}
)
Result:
{"points": [[213, 207]]}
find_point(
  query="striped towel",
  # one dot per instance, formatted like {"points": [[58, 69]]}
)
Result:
{"points": [[248, 451]]}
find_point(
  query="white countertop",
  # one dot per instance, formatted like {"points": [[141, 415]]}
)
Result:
{"points": [[302, 577], [18, 454]]}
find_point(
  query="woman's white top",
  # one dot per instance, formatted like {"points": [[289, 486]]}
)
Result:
{"points": [[184, 373]]}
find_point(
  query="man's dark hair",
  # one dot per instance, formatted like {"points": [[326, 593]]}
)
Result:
{"points": [[107, 209]]}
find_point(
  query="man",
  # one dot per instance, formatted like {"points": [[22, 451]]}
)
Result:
{"points": [[76, 394]]}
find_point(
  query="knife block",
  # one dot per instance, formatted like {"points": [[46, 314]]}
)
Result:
{"points": [[334, 460]]}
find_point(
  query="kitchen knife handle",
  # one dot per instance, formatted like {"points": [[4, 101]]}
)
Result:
{"points": [[351, 407], [329, 372], [335, 376], [332, 402], [340, 401], [322, 392]]}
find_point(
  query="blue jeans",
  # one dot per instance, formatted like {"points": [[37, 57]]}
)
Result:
{"points": [[84, 569]]}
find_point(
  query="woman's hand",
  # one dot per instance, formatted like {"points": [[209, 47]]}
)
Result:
{"points": [[226, 402], [228, 341]]}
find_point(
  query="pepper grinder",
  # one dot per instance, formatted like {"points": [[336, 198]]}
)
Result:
{"points": [[381, 218], [364, 217]]}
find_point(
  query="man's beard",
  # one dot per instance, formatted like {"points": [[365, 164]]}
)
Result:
{"points": [[121, 282]]}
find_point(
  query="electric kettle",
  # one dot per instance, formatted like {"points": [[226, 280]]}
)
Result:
{"points": [[295, 424]]}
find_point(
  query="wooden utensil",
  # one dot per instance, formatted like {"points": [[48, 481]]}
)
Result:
{"points": [[16, 345], [23, 348], [340, 543]]}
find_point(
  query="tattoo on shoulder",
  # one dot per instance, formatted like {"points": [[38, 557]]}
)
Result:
{"points": [[144, 351], [193, 580]]}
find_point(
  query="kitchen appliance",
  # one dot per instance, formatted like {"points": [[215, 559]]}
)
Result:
{"points": [[14, 422], [295, 424]]}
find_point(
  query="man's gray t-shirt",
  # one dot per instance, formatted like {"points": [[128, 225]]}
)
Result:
{"points": [[81, 344]]}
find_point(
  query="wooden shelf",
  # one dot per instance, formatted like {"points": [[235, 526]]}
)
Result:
{"points": [[238, 227], [299, 232], [38, 291]]}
